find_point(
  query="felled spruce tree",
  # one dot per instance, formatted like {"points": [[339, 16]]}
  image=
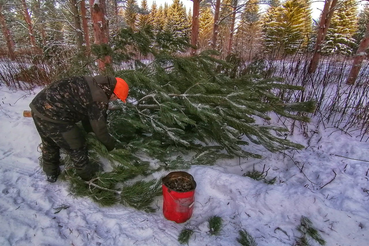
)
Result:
{"points": [[184, 110]]}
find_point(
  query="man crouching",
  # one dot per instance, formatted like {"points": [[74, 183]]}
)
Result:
{"points": [[62, 104]]}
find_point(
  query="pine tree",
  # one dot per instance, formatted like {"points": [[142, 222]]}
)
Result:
{"points": [[143, 16], [206, 26], [308, 25], [176, 21], [152, 16], [8, 38], [363, 19], [248, 36], [130, 13], [225, 21], [269, 32], [339, 39], [285, 27], [160, 18], [55, 28]]}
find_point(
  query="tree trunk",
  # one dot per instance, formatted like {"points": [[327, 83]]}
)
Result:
{"points": [[195, 25], [85, 26], [27, 18], [325, 20], [230, 41], [359, 57], [216, 24], [7, 35], [101, 30], [77, 22]]}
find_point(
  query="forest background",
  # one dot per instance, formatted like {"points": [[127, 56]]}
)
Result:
{"points": [[271, 29]]}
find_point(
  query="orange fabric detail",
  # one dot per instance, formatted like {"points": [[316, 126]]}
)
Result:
{"points": [[121, 89]]}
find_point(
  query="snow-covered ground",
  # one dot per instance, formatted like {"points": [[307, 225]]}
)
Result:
{"points": [[327, 182]]}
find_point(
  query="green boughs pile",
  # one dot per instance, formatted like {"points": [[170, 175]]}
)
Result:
{"points": [[191, 103], [181, 111]]}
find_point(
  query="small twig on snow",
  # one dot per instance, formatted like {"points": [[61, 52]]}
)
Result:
{"points": [[301, 169], [349, 158], [335, 174]]}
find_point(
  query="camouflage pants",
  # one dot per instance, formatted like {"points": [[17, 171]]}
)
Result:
{"points": [[66, 136]]}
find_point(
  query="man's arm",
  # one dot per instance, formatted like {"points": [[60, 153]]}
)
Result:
{"points": [[97, 118]]}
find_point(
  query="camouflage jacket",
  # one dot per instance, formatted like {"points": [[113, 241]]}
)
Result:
{"points": [[75, 99]]}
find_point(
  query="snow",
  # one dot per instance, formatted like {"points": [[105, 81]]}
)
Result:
{"points": [[327, 182]]}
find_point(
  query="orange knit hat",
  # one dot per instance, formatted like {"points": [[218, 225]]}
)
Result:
{"points": [[121, 89]]}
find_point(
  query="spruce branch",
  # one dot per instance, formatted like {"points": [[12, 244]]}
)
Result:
{"points": [[141, 194]]}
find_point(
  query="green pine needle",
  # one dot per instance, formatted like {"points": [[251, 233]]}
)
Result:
{"points": [[141, 194], [246, 239], [102, 196], [185, 236], [215, 225], [308, 230]]}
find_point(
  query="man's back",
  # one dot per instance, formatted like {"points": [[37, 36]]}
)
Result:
{"points": [[64, 100]]}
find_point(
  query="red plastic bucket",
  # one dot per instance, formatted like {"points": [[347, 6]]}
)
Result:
{"points": [[178, 196]]}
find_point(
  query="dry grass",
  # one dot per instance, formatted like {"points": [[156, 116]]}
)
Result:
{"points": [[338, 104]]}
